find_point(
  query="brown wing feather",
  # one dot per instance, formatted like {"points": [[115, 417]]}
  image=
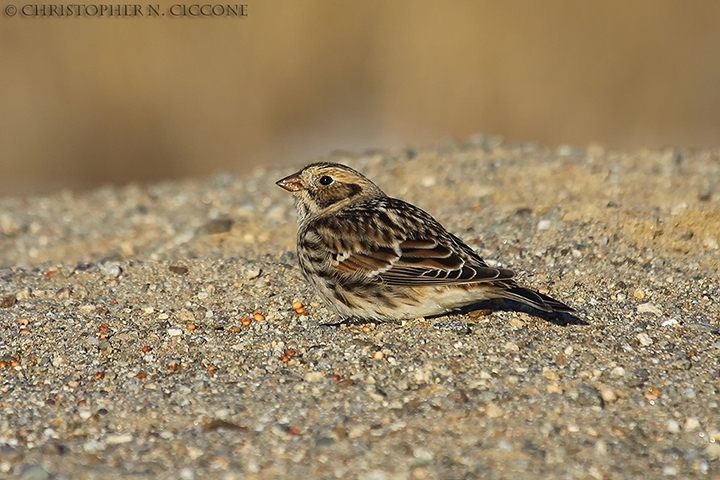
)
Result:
{"points": [[418, 262]]}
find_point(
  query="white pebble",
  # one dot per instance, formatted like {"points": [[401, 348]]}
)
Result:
{"points": [[314, 377], [428, 181], [691, 424], [252, 272], [223, 413], [174, 332], [670, 471], [187, 474], [544, 224], [118, 439], [93, 446], [423, 454], [673, 426], [110, 269], [644, 339], [649, 308], [713, 451]]}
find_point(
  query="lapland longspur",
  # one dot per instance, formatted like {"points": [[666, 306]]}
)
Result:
{"points": [[374, 257]]}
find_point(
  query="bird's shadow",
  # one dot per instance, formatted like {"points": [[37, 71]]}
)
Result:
{"points": [[562, 319]]}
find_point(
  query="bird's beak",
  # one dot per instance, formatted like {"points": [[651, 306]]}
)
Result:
{"points": [[291, 183]]}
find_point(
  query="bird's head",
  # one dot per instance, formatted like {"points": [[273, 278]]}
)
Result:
{"points": [[323, 187]]}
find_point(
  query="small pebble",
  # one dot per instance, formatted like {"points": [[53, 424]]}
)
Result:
{"points": [[608, 395], [493, 411], [644, 339], [712, 450], [93, 446], [252, 273], [670, 471], [174, 332], [544, 225], [118, 439], [110, 269], [673, 426], [691, 424], [314, 377], [649, 308]]}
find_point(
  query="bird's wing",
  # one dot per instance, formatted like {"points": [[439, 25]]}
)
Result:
{"points": [[425, 254], [430, 262]]}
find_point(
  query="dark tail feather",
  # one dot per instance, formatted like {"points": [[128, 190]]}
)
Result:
{"points": [[536, 299]]}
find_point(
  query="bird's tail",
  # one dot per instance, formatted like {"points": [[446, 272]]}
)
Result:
{"points": [[535, 299]]}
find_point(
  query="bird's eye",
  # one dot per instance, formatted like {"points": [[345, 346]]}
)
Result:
{"points": [[325, 180]]}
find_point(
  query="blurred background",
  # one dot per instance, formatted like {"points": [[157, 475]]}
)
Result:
{"points": [[90, 101]]}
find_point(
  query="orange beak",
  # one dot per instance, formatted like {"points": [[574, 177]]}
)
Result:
{"points": [[291, 183]]}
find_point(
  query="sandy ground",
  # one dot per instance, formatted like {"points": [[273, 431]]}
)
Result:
{"points": [[150, 332]]}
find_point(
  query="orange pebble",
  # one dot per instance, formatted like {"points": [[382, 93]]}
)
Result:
{"points": [[258, 317], [246, 321], [191, 327], [99, 375]]}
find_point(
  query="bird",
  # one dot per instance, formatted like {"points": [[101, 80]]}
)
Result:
{"points": [[372, 257]]}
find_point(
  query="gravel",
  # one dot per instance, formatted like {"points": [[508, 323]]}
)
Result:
{"points": [[165, 331]]}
